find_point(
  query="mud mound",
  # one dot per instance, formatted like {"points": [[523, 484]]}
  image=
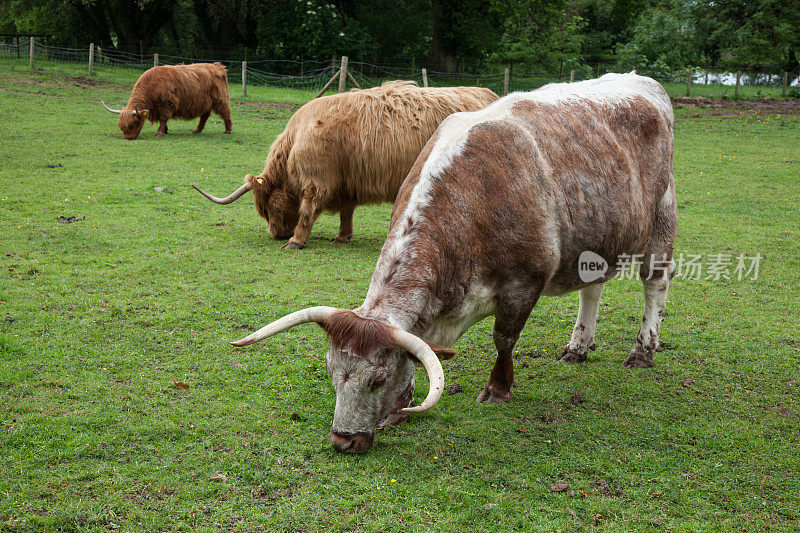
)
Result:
{"points": [[719, 106]]}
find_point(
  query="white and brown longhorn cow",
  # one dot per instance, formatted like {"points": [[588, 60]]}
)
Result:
{"points": [[495, 213]]}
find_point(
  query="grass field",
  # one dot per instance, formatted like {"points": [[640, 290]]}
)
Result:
{"points": [[102, 316]]}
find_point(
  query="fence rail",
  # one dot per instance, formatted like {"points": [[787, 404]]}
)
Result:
{"points": [[312, 76]]}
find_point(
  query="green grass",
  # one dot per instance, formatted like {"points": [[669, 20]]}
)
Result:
{"points": [[101, 316], [717, 90]]}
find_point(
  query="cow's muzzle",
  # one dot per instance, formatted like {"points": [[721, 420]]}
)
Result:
{"points": [[353, 442]]}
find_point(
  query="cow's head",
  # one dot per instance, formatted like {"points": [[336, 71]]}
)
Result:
{"points": [[371, 365], [275, 202], [131, 120]]}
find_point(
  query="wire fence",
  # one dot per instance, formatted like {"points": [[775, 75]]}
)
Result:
{"points": [[305, 79]]}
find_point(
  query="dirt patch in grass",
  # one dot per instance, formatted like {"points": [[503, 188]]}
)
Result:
{"points": [[603, 488], [83, 81], [67, 81], [716, 107]]}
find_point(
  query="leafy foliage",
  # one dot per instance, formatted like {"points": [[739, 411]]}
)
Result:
{"points": [[447, 35]]}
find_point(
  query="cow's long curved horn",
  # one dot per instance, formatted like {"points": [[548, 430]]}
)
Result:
{"points": [[228, 199], [433, 367], [312, 314], [117, 111]]}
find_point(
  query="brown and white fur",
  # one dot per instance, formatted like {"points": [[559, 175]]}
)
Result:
{"points": [[494, 214]]}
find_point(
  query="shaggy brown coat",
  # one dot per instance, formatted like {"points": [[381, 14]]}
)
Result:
{"points": [[178, 91], [349, 149]]}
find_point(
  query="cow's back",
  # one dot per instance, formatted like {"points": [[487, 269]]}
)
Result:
{"points": [[180, 91], [361, 144], [524, 186]]}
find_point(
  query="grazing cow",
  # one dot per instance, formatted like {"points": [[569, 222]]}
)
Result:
{"points": [[496, 211], [177, 91], [349, 149]]}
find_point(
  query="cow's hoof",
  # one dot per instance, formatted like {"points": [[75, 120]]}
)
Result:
{"points": [[393, 420], [572, 355], [292, 246], [159, 134], [227, 132], [341, 240], [492, 394], [196, 132], [639, 359]]}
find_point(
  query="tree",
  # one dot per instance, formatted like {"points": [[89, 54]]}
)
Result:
{"points": [[53, 18], [760, 33], [607, 23], [465, 30], [127, 25], [664, 34], [226, 24], [541, 33]]}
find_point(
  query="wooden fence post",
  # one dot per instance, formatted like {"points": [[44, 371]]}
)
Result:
{"points": [[31, 55], [597, 74], [785, 82], [343, 75], [325, 87], [424, 77], [350, 75], [572, 75], [91, 58], [155, 60], [505, 83], [244, 80], [17, 46], [736, 89], [690, 73]]}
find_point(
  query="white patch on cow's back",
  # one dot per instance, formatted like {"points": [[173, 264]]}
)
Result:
{"points": [[608, 89]]}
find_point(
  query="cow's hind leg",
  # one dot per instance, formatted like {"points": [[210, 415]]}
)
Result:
{"points": [[345, 225], [656, 272], [222, 109], [162, 128], [655, 299], [202, 123], [310, 209], [508, 325], [583, 334]]}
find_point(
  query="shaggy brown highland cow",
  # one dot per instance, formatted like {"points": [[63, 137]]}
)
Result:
{"points": [[177, 91], [348, 149]]}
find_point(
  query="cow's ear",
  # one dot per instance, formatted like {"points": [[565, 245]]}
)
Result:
{"points": [[442, 353]]}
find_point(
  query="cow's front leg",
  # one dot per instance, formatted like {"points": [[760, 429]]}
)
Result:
{"points": [[202, 123], [310, 209], [345, 225], [655, 299], [162, 128], [583, 334], [508, 326]]}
